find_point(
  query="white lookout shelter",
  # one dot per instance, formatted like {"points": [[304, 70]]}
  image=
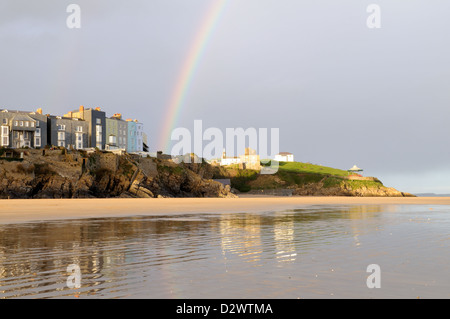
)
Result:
{"points": [[355, 169]]}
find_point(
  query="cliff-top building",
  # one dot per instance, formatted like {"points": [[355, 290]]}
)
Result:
{"points": [[284, 157], [78, 129], [116, 132], [23, 129], [249, 160], [135, 136], [97, 122], [68, 132]]}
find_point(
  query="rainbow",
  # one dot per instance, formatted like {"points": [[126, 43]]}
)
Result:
{"points": [[188, 70]]}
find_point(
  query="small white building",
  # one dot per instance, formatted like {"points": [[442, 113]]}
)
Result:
{"points": [[284, 157], [355, 170], [229, 160]]}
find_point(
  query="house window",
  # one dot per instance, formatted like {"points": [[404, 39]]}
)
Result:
{"points": [[37, 142], [99, 121], [38, 132], [5, 121], [16, 123], [5, 136], [32, 124], [79, 129], [37, 124], [62, 143], [27, 123], [98, 135], [61, 127], [21, 123], [61, 136]]}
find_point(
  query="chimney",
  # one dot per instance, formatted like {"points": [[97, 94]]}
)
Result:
{"points": [[98, 109], [39, 111], [81, 110]]}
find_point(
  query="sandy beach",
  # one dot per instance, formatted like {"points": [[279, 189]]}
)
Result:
{"points": [[27, 210], [194, 248]]}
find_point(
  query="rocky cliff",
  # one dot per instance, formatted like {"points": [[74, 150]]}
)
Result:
{"points": [[346, 189], [62, 173]]}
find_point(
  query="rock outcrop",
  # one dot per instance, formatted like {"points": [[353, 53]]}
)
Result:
{"points": [[318, 189], [74, 174]]}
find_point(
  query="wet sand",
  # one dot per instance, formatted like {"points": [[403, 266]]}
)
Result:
{"points": [[28, 210], [318, 251]]}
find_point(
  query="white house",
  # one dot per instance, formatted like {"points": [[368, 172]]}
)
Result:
{"points": [[284, 157], [229, 160]]}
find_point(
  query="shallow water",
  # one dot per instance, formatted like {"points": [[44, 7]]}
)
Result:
{"points": [[312, 252]]}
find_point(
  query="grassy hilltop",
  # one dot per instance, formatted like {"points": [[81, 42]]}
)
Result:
{"points": [[307, 179]]}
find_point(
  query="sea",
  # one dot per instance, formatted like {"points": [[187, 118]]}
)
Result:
{"points": [[312, 252]]}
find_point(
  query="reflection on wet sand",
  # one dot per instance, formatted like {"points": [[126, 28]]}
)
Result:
{"points": [[207, 255]]}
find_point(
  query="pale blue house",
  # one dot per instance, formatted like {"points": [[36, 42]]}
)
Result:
{"points": [[132, 136]]}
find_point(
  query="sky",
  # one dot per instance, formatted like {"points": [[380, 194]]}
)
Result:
{"points": [[340, 93]]}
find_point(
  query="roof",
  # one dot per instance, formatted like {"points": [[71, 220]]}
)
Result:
{"points": [[23, 117], [285, 153], [57, 117], [15, 111], [355, 169]]}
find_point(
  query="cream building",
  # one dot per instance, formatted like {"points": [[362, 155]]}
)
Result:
{"points": [[250, 160], [284, 157]]}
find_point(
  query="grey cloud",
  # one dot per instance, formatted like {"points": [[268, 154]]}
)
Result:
{"points": [[340, 93]]}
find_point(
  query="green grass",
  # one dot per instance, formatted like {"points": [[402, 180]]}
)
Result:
{"points": [[361, 184], [299, 174], [297, 167], [292, 177], [332, 182], [240, 181], [177, 170]]}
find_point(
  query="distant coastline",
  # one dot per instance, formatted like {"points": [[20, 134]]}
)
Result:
{"points": [[431, 195]]}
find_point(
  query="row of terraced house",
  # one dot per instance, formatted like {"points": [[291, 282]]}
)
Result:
{"points": [[79, 129]]}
